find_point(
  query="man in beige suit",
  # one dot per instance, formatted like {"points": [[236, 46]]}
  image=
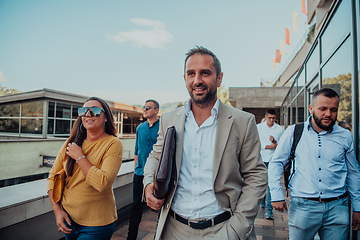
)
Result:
{"points": [[220, 178]]}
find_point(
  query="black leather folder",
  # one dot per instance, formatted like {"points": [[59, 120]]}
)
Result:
{"points": [[166, 164]]}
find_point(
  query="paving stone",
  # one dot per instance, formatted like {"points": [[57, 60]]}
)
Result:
{"points": [[147, 225], [263, 222], [280, 224], [281, 234]]}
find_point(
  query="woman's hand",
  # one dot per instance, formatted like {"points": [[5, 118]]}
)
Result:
{"points": [[61, 216], [74, 151]]}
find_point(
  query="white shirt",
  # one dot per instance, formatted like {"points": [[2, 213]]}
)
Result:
{"points": [[194, 196], [264, 133]]}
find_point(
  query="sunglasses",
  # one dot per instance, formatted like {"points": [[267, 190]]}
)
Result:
{"points": [[94, 111], [146, 108]]}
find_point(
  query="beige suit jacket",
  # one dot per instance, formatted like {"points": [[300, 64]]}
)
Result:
{"points": [[239, 175]]}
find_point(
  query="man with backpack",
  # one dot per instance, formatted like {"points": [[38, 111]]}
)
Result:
{"points": [[324, 174]]}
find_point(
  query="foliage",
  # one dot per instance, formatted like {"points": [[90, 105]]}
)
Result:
{"points": [[8, 91], [180, 104], [310, 36], [223, 94], [342, 82]]}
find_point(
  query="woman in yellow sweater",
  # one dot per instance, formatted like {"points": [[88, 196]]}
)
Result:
{"points": [[91, 158]]}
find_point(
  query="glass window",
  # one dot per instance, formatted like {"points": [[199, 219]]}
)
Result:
{"points": [[301, 79], [293, 91], [293, 113], [63, 110], [72, 123], [51, 112], [288, 99], [9, 125], [10, 110], [50, 126], [336, 74], [300, 108], [32, 109], [75, 111], [287, 117], [336, 30], [127, 125], [62, 127], [31, 126], [312, 65], [116, 115]]}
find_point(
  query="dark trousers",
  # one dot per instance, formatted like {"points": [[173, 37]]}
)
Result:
{"points": [[137, 207]]}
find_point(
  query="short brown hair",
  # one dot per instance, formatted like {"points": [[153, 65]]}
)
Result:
{"points": [[204, 51]]}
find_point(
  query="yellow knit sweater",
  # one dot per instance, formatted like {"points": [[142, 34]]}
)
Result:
{"points": [[90, 201]]}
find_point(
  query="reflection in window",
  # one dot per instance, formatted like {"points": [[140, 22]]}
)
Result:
{"points": [[301, 79], [10, 110], [337, 75], [33, 126], [63, 110], [62, 127], [312, 65], [32, 109], [337, 29], [9, 125]]}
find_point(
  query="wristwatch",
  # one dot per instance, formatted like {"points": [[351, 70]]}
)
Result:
{"points": [[77, 160]]}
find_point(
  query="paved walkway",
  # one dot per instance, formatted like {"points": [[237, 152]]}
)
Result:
{"points": [[264, 229]]}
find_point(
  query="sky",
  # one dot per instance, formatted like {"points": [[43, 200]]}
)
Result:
{"points": [[130, 51]]}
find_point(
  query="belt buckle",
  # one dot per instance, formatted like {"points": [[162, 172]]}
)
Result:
{"points": [[192, 221], [320, 200]]}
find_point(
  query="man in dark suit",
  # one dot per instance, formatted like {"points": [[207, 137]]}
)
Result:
{"points": [[220, 178]]}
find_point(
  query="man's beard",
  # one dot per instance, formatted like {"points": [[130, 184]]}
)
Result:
{"points": [[322, 126], [204, 100]]}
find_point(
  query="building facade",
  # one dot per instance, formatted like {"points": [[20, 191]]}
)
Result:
{"points": [[49, 113], [332, 62]]}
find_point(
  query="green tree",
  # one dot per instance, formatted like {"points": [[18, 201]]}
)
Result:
{"points": [[342, 83]]}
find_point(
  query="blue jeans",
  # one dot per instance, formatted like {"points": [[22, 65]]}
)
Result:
{"points": [[268, 195], [90, 233], [307, 217], [137, 207]]}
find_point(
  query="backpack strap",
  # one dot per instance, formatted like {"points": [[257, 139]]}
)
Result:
{"points": [[297, 135], [290, 164]]}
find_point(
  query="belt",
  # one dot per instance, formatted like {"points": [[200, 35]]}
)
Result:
{"points": [[201, 224], [319, 199]]}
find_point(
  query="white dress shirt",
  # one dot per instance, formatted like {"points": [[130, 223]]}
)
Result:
{"points": [[264, 133], [194, 196], [325, 165]]}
